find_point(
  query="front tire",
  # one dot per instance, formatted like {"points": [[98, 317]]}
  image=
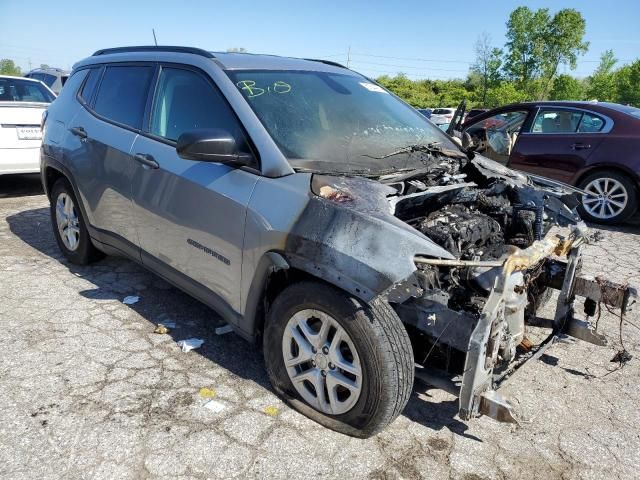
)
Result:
{"points": [[612, 198], [69, 226], [344, 363]]}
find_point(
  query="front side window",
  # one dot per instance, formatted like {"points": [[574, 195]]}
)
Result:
{"points": [[497, 135], [17, 90], [335, 122], [186, 101], [122, 95]]}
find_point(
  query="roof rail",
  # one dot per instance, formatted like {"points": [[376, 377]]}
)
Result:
{"points": [[327, 62], [155, 48]]}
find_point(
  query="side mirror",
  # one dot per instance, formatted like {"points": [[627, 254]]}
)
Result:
{"points": [[211, 145]]}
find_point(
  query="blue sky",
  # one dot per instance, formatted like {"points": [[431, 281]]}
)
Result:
{"points": [[424, 39]]}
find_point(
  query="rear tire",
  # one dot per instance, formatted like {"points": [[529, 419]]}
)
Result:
{"points": [[376, 347], [613, 199], [69, 226]]}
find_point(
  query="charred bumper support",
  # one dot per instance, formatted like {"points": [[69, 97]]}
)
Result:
{"points": [[477, 388]]}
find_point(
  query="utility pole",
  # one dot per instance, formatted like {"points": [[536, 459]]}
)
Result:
{"points": [[349, 56], [29, 63], [153, 30]]}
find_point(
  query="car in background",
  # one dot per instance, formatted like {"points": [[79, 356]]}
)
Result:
{"points": [[22, 104], [54, 78], [425, 111], [591, 145], [440, 116]]}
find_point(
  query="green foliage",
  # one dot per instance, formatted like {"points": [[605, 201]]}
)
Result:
{"points": [[485, 72], [566, 87], [537, 44], [503, 94], [7, 67], [628, 84], [428, 93], [602, 84]]}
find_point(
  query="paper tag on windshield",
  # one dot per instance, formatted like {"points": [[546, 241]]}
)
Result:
{"points": [[373, 87]]}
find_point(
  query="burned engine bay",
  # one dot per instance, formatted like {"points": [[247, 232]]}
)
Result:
{"points": [[489, 261], [479, 211]]}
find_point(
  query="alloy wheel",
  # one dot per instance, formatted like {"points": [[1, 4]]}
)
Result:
{"points": [[606, 198], [67, 221], [322, 362]]}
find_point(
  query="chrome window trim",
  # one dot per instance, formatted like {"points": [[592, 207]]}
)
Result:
{"points": [[608, 122]]}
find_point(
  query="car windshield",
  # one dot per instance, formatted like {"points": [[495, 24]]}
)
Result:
{"points": [[17, 90], [337, 123]]}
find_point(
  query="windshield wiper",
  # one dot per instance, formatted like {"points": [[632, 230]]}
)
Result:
{"points": [[433, 148]]}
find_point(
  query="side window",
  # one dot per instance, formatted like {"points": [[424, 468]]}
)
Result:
{"points": [[186, 101], [590, 123], [556, 121], [90, 85], [497, 135], [122, 94]]}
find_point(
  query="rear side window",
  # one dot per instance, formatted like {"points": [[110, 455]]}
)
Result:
{"points": [[90, 85], [186, 101], [557, 121], [590, 123], [123, 94]]}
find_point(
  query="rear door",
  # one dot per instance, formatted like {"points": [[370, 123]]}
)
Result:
{"points": [[559, 142], [190, 215], [100, 148]]}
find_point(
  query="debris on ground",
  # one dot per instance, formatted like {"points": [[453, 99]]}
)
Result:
{"points": [[214, 406], [190, 343], [131, 299], [271, 410], [224, 329], [207, 392], [621, 357], [164, 327]]}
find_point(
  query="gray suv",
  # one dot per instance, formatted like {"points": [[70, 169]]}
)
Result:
{"points": [[321, 217]]}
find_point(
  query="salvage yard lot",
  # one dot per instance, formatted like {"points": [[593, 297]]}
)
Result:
{"points": [[88, 390]]}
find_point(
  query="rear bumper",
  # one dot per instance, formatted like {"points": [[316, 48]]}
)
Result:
{"points": [[19, 160]]}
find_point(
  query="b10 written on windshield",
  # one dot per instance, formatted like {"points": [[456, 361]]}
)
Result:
{"points": [[252, 90]]}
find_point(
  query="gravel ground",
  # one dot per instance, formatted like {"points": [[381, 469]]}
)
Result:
{"points": [[87, 390]]}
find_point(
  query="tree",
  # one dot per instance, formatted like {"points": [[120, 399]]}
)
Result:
{"points": [[538, 44], [237, 50], [563, 42], [602, 84], [7, 67], [525, 45], [503, 94], [566, 87], [486, 68], [628, 84]]}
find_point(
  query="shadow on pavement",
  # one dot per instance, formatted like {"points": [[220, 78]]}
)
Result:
{"points": [[115, 278], [20, 185]]}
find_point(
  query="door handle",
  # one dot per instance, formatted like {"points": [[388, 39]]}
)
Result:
{"points": [[580, 146], [78, 132], [146, 160]]}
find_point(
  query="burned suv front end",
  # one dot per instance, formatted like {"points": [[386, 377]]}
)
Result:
{"points": [[503, 243]]}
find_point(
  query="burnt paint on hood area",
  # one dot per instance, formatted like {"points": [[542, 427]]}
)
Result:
{"points": [[364, 237]]}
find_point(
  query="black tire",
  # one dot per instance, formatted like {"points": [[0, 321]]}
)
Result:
{"points": [[85, 252], [382, 344], [632, 198]]}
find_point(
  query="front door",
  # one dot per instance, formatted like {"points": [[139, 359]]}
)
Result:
{"points": [[190, 214], [559, 143]]}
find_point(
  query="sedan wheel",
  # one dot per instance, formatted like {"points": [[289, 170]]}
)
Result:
{"points": [[322, 362], [607, 198]]}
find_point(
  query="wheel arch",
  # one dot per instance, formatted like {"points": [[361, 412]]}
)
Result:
{"points": [[607, 168]]}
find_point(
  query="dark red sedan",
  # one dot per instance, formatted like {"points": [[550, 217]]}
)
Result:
{"points": [[594, 146]]}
